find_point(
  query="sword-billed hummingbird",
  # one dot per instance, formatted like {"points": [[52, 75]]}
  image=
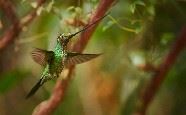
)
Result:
{"points": [[55, 61]]}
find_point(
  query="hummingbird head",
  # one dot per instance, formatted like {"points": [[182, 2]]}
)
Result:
{"points": [[64, 39]]}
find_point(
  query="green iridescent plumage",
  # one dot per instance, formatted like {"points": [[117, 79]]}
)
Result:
{"points": [[55, 61]]}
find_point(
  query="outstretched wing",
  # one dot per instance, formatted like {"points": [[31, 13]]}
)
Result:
{"points": [[77, 58], [41, 56]]}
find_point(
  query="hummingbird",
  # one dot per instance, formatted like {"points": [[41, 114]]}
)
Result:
{"points": [[55, 61]]}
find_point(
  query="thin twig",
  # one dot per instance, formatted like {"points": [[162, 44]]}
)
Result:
{"points": [[48, 107], [14, 30], [162, 71], [9, 10]]}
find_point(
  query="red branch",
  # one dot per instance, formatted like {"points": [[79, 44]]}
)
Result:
{"points": [[9, 10], [163, 69], [14, 30], [48, 107]]}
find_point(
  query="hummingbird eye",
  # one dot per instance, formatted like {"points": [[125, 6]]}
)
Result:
{"points": [[59, 37], [63, 38]]}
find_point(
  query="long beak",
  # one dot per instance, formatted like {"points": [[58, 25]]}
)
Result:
{"points": [[87, 27]]}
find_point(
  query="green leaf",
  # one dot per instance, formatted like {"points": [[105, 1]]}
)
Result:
{"points": [[70, 8], [132, 8], [166, 38], [49, 6], [139, 2], [133, 5], [10, 79], [33, 4], [108, 25], [39, 10], [78, 10]]}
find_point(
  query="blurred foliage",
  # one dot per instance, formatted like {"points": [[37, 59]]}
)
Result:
{"points": [[135, 33], [10, 80]]}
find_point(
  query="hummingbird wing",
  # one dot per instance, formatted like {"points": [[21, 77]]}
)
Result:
{"points": [[41, 56], [77, 58], [34, 89]]}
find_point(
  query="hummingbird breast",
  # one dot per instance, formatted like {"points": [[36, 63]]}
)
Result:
{"points": [[59, 58]]}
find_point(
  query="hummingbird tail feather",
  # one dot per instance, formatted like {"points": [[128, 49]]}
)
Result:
{"points": [[34, 89]]}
